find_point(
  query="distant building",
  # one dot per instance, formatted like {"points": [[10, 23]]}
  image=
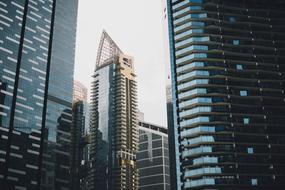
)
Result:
{"points": [[141, 116], [79, 134], [153, 157], [114, 120], [79, 92], [171, 137]]}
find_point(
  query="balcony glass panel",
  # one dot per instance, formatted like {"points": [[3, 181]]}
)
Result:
{"points": [[191, 65], [195, 101], [191, 40], [191, 48], [198, 150], [196, 130], [201, 139], [192, 83], [209, 170], [191, 56], [205, 160], [190, 16], [195, 110], [199, 182], [192, 92], [190, 8], [192, 74], [189, 24], [194, 121], [188, 32]]}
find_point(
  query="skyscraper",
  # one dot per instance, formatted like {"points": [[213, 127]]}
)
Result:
{"points": [[114, 124], [152, 157], [34, 56], [227, 65]]}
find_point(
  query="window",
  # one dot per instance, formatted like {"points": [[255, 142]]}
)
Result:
{"points": [[250, 150], [243, 93], [246, 120], [232, 19], [236, 42], [239, 67], [253, 181]]}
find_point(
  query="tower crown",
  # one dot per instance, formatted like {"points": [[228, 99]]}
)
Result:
{"points": [[107, 49]]}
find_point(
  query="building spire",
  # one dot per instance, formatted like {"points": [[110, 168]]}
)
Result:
{"points": [[107, 49]]}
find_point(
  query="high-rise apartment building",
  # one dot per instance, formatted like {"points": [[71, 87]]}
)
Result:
{"points": [[228, 66], [37, 41], [114, 123], [152, 157]]}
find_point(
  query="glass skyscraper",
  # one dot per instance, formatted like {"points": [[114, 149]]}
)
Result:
{"points": [[227, 70], [153, 157], [113, 120], [37, 40]]}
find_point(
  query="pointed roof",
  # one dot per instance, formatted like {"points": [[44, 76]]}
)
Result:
{"points": [[107, 49]]}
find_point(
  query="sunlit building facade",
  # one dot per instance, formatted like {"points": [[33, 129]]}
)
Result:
{"points": [[114, 123], [37, 41], [227, 71]]}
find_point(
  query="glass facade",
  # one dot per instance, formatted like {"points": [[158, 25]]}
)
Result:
{"points": [[23, 68], [28, 35], [104, 120], [153, 157], [80, 147], [80, 137], [57, 132], [227, 64]]}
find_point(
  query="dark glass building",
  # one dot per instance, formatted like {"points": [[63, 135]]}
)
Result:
{"points": [[79, 137], [34, 56], [228, 66], [113, 120], [153, 158]]}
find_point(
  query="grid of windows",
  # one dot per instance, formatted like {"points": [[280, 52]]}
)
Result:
{"points": [[29, 71], [25, 28], [153, 157], [227, 61]]}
